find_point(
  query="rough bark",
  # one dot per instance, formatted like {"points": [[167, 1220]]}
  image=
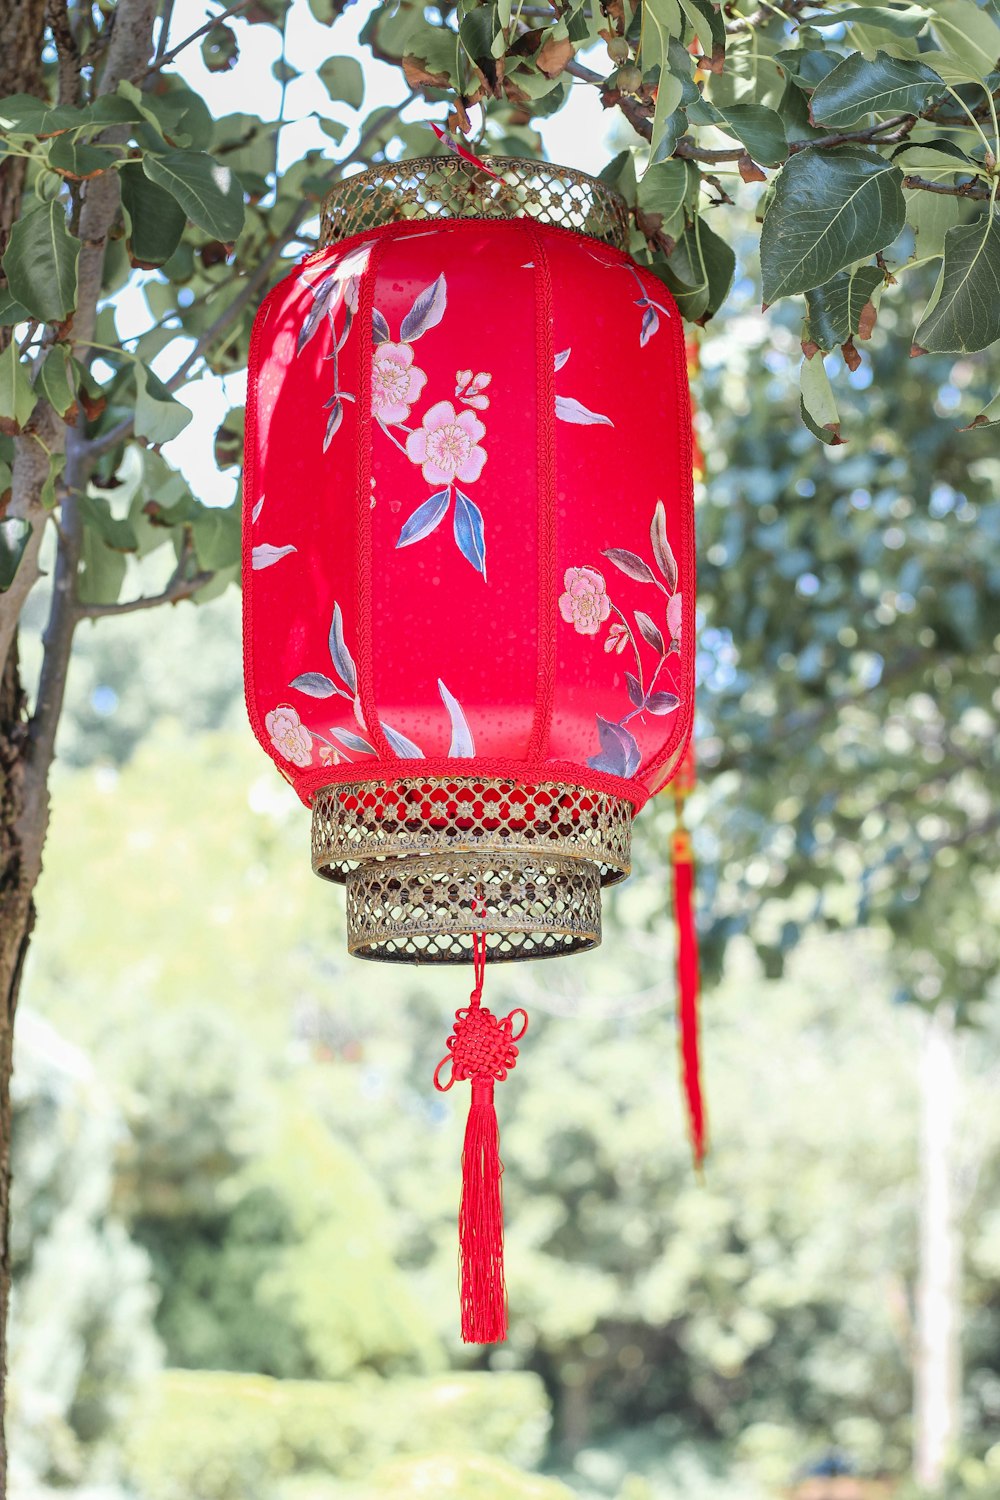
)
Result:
{"points": [[27, 746], [21, 31], [937, 1373]]}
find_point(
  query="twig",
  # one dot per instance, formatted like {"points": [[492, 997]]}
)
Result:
{"points": [[162, 61], [164, 31], [182, 585], [886, 132], [973, 189]]}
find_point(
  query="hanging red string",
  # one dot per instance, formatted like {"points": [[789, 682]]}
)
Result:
{"points": [[482, 1049], [688, 977]]}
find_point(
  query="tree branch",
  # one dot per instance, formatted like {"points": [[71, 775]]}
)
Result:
{"points": [[182, 585], [639, 116], [161, 60], [253, 285], [973, 189], [130, 45]]}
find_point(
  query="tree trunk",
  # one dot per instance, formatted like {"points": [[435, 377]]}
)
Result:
{"points": [[22, 27], [17, 916], [937, 1374], [27, 747]]}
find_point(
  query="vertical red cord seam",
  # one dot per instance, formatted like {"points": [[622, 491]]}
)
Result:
{"points": [[538, 744], [365, 654], [683, 475]]}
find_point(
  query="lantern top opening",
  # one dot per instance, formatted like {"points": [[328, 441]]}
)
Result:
{"points": [[448, 187]]}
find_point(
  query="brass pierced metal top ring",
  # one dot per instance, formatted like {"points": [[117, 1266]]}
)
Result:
{"points": [[448, 187], [356, 822]]}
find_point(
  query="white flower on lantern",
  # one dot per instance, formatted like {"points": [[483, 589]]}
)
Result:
{"points": [[445, 445], [288, 735], [396, 382]]}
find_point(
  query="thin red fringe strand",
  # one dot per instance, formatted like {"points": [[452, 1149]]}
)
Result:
{"points": [[688, 988]]}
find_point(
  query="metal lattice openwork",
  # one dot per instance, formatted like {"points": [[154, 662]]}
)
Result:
{"points": [[425, 910], [448, 187], [418, 853], [358, 821]]}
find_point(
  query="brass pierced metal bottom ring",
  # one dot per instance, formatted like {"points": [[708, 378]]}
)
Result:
{"points": [[426, 909]]}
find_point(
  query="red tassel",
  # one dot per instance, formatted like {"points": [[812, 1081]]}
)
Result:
{"points": [[688, 989], [481, 1049], [480, 1223]]}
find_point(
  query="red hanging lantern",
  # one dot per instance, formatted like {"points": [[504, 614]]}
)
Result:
{"points": [[469, 580]]}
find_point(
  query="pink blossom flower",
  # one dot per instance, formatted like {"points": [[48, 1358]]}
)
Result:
{"points": [[585, 604], [445, 445], [617, 638], [674, 612], [396, 382], [288, 736], [469, 388]]}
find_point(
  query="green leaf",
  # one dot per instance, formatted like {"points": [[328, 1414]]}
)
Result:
{"points": [[11, 311], [40, 263], [71, 159], [114, 109], [759, 129], [661, 19], [159, 416], [343, 80], [176, 113], [14, 535], [154, 220], [969, 35], [819, 405], [326, 11], [699, 272], [988, 417], [883, 85], [216, 532], [906, 21], [828, 209], [939, 145], [931, 215], [836, 309], [966, 315], [670, 133], [620, 174], [670, 188], [23, 114], [114, 533], [17, 397], [333, 128], [709, 28], [220, 50], [102, 569], [55, 382], [806, 68], [56, 465], [209, 193]]}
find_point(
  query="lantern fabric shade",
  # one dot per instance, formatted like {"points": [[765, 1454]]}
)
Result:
{"points": [[469, 557]]}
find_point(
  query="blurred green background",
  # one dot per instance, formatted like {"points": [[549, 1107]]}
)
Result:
{"points": [[236, 1188]]}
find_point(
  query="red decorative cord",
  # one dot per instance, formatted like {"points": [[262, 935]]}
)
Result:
{"points": [[482, 1049], [688, 978]]}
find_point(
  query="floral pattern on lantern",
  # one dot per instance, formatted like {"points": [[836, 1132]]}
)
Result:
{"points": [[585, 604], [319, 685]]}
